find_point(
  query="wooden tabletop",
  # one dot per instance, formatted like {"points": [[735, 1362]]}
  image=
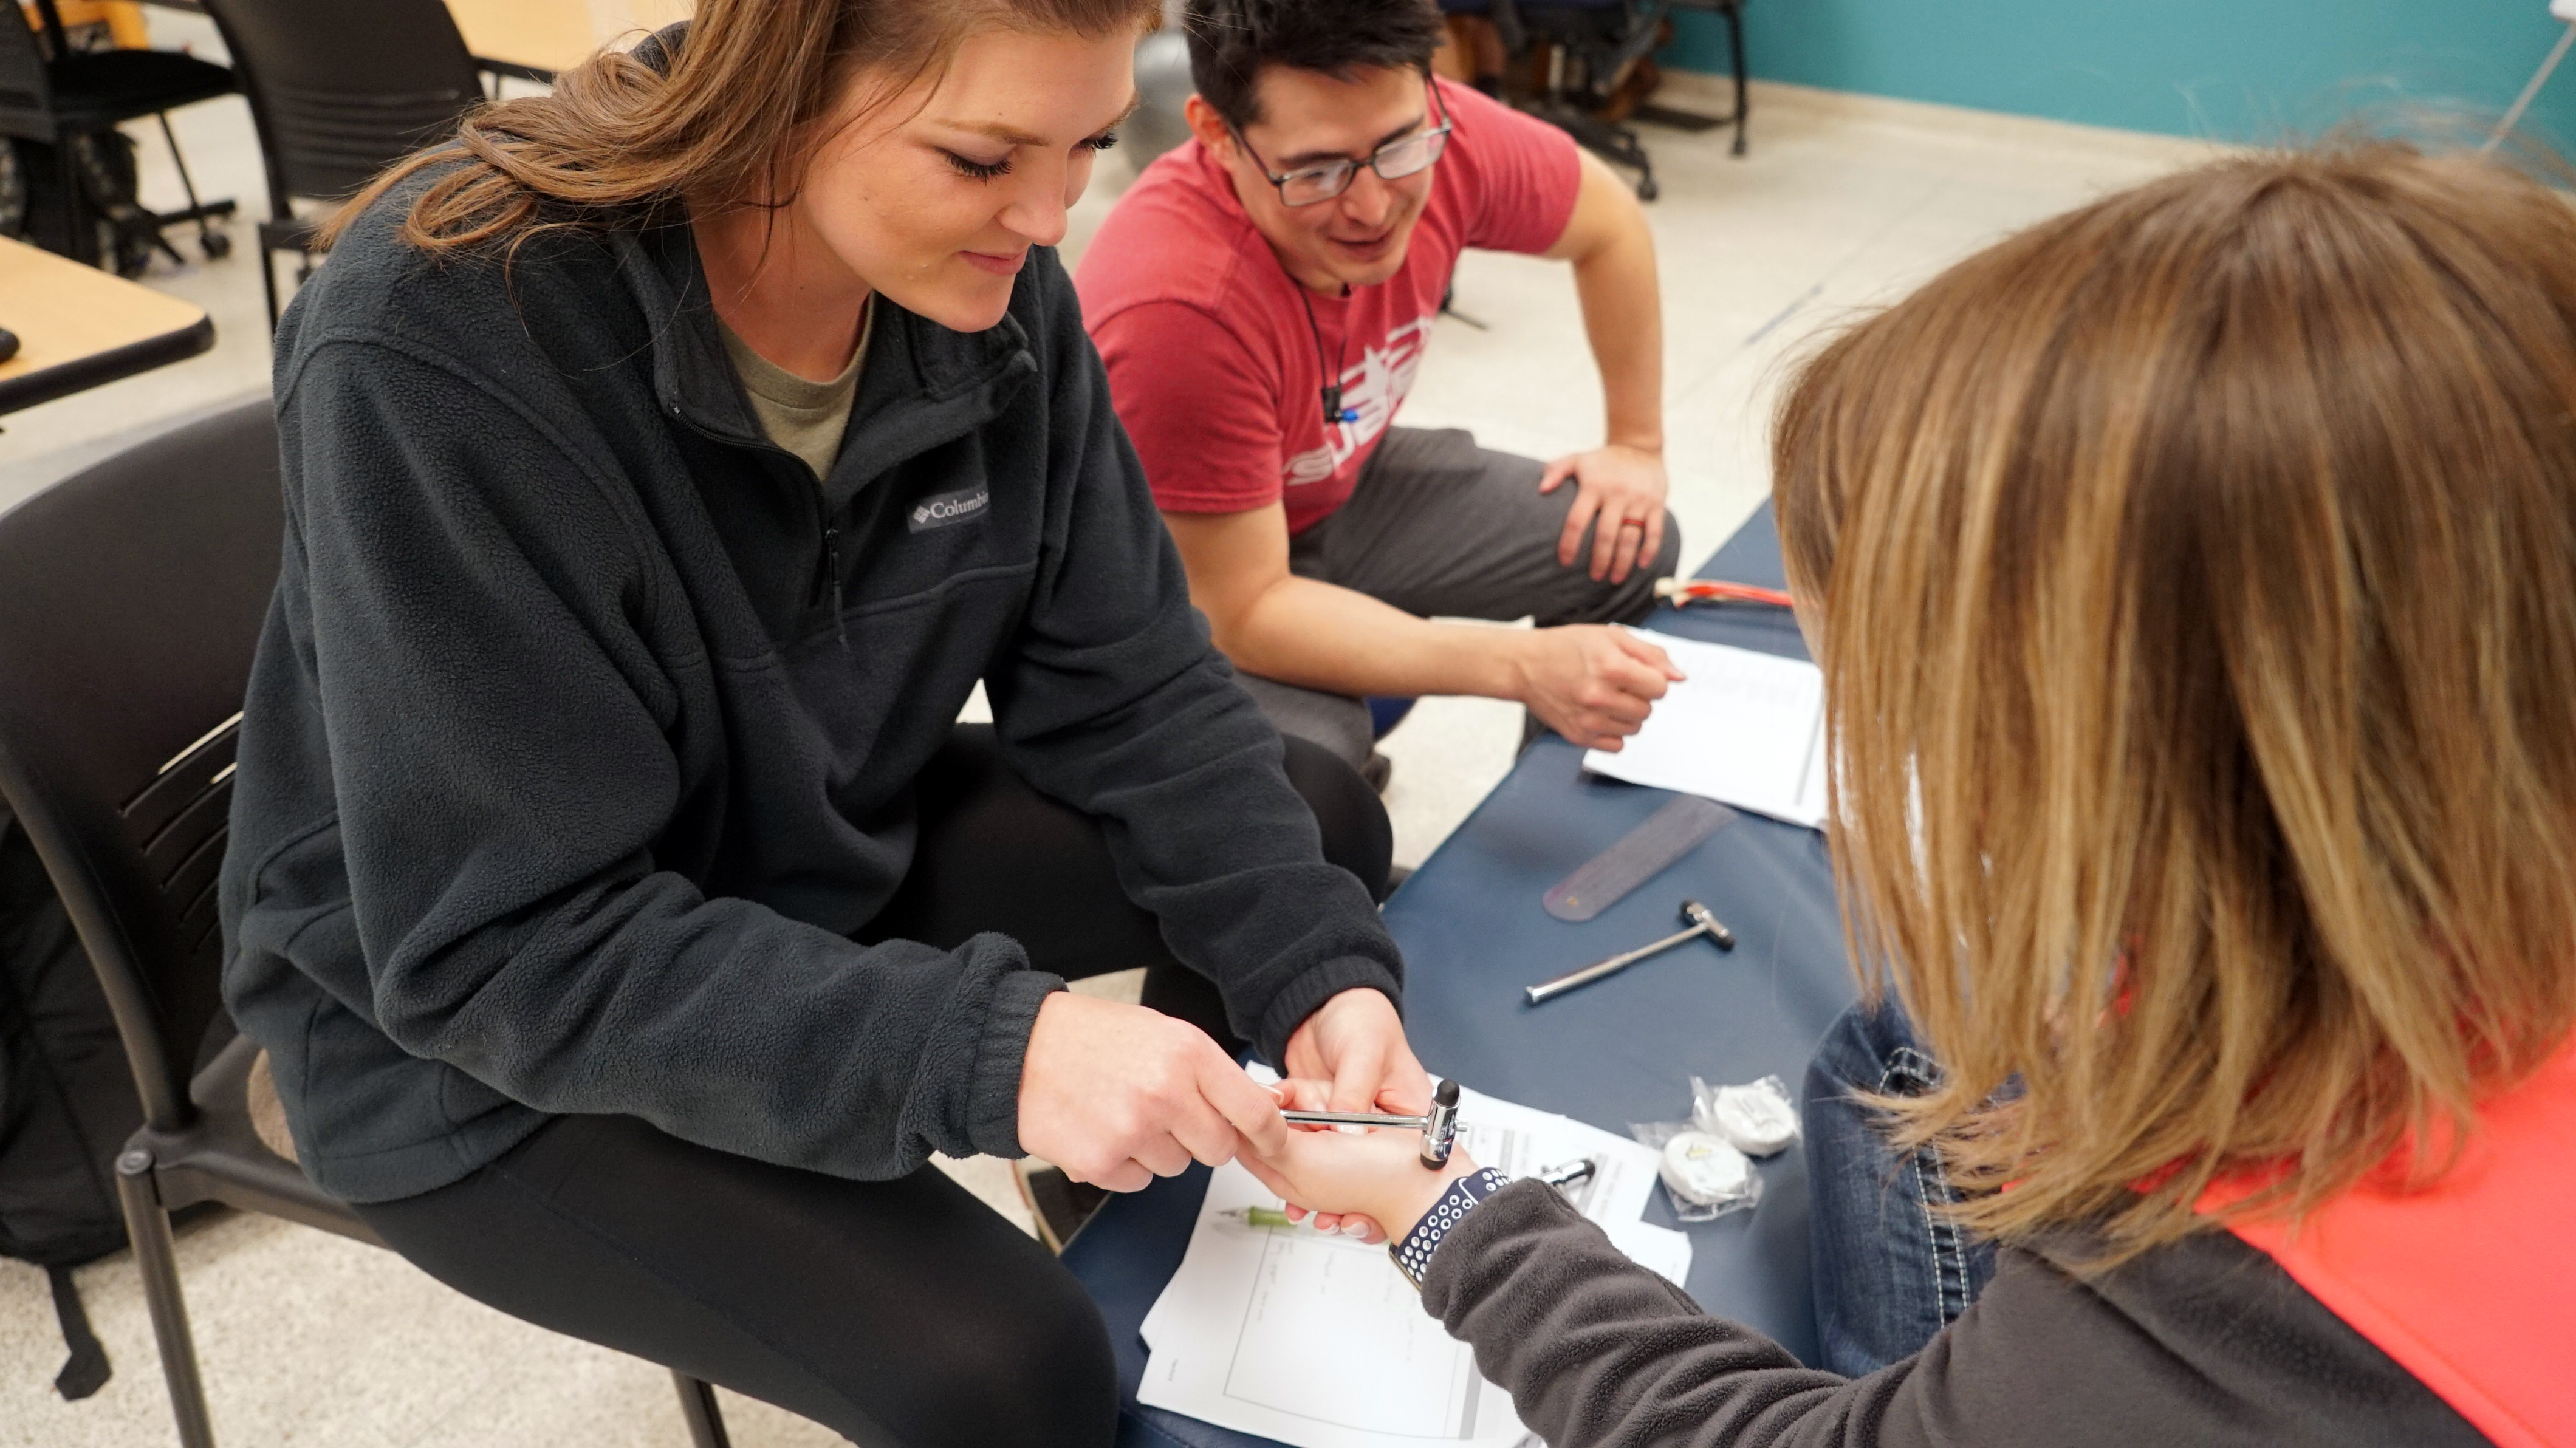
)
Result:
{"points": [[539, 38], [78, 326]]}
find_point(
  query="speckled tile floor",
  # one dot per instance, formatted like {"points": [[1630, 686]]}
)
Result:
{"points": [[307, 1339]]}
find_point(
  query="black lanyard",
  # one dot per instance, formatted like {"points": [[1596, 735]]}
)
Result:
{"points": [[1333, 410]]}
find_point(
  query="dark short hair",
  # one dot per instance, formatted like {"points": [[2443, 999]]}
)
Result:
{"points": [[1231, 41]]}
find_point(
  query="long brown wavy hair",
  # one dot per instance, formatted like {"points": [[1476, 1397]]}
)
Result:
{"points": [[2194, 579], [736, 118]]}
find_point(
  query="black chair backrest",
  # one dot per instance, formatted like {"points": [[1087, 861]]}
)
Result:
{"points": [[341, 89], [26, 91], [131, 599]]}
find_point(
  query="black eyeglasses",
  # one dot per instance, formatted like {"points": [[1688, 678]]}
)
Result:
{"points": [[1393, 161]]}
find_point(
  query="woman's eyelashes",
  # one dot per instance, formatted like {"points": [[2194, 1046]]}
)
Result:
{"points": [[975, 170]]}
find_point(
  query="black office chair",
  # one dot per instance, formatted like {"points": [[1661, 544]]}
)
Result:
{"points": [[339, 92], [131, 596], [70, 99], [1591, 44]]}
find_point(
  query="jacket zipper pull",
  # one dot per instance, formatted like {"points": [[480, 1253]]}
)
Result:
{"points": [[832, 565]]}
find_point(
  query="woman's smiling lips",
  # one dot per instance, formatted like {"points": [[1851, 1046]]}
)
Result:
{"points": [[1000, 264]]}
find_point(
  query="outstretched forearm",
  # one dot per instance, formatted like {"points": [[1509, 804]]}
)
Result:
{"points": [[1318, 635], [1596, 1350], [1323, 636]]}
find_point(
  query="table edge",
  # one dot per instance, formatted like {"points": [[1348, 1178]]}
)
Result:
{"points": [[96, 369]]}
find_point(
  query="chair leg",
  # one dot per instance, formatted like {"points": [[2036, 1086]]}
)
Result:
{"points": [[268, 283], [1735, 48], [154, 1251], [698, 1407], [187, 185]]}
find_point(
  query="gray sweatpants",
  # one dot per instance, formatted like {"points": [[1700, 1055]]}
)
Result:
{"points": [[1438, 526]]}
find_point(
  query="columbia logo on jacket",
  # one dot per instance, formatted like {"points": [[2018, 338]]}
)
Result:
{"points": [[947, 508]]}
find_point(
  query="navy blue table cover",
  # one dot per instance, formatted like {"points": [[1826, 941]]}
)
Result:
{"points": [[1614, 1053]]}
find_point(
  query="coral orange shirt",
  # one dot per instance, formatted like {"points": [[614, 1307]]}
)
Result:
{"points": [[2470, 1285]]}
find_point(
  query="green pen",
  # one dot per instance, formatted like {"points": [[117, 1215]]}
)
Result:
{"points": [[1258, 1217]]}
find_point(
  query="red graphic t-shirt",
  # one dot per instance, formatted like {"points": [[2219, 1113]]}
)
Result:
{"points": [[1211, 365]]}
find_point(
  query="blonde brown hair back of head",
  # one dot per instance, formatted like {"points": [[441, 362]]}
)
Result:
{"points": [[2194, 578], [739, 114]]}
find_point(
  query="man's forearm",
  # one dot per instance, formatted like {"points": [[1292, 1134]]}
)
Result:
{"points": [[1321, 636], [1623, 319]]}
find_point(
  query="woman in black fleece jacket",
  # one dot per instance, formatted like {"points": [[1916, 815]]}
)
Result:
{"points": [[2194, 579], [626, 918]]}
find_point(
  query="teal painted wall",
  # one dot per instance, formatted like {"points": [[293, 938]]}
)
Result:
{"points": [[2234, 70]]}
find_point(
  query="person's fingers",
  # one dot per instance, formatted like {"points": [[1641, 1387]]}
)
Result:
{"points": [[1633, 676], [1605, 534], [1618, 714], [1209, 1138], [1364, 1228], [1647, 654], [1624, 558], [1163, 1155], [1310, 1096], [1127, 1176], [1651, 545], [1556, 474], [1610, 715], [1270, 1176], [1587, 502], [1600, 729], [1407, 1087], [1240, 1100], [1357, 1076], [1299, 1093]]}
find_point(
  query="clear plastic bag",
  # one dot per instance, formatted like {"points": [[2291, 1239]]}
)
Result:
{"points": [[1758, 1118], [1704, 1175]]}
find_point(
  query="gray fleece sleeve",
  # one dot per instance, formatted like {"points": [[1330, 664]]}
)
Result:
{"points": [[2203, 1343], [1116, 702], [496, 729], [1596, 1350]]}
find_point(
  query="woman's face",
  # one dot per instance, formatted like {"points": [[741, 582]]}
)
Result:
{"points": [[936, 196]]}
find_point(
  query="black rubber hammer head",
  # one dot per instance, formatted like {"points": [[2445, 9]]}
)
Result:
{"points": [[1440, 1128], [1694, 913]]}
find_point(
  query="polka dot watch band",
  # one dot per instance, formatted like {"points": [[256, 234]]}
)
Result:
{"points": [[1413, 1254]]}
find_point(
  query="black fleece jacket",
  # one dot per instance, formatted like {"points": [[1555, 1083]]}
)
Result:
{"points": [[2203, 1343], [582, 735]]}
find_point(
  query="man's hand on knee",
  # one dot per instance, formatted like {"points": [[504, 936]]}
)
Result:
{"points": [[1591, 683], [1622, 490], [1117, 1095]]}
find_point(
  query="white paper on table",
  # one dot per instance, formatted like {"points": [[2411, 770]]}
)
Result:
{"points": [[1744, 728], [1320, 1342]]}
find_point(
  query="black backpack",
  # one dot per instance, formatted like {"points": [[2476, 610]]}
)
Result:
{"points": [[67, 1102]]}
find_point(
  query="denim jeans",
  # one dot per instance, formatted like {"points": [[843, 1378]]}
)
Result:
{"points": [[1889, 1272]]}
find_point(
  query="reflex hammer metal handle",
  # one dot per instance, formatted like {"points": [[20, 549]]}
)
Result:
{"points": [[1352, 1118], [1439, 1124], [1701, 923]]}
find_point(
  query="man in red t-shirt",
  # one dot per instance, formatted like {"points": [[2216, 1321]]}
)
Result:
{"points": [[1262, 297]]}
